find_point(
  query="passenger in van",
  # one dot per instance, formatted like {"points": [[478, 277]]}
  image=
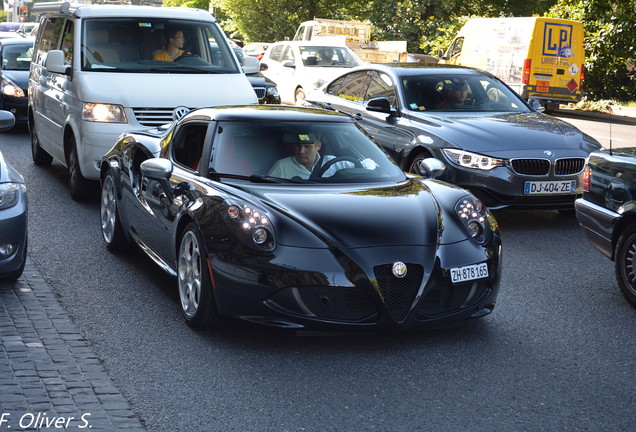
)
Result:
{"points": [[175, 41], [454, 93]]}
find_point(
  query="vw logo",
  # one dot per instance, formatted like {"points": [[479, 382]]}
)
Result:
{"points": [[179, 112], [399, 269], [548, 153]]}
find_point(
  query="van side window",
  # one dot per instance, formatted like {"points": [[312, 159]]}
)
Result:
{"points": [[67, 42], [50, 38], [457, 47], [277, 52]]}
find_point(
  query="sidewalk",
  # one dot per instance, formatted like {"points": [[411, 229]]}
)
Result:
{"points": [[50, 378]]}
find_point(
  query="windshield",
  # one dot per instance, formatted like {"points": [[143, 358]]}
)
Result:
{"points": [[330, 56], [155, 46], [459, 92], [301, 152], [17, 57]]}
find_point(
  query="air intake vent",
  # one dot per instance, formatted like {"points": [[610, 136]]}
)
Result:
{"points": [[399, 293], [531, 166], [569, 166]]}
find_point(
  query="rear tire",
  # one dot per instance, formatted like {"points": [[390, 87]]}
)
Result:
{"points": [[79, 186], [299, 97], [625, 263]]}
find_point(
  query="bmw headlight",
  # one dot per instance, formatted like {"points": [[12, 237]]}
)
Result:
{"points": [[9, 194], [472, 160], [272, 91], [10, 89], [474, 216], [103, 113], [251, 225]]}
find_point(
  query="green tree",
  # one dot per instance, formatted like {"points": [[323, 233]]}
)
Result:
{"points": [[610, 45]]}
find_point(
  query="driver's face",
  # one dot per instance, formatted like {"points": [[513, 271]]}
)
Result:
{"points": [[178, 39], [306, 154]]}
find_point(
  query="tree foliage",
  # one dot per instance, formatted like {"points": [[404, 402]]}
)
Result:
{"points": [[610, 45]]}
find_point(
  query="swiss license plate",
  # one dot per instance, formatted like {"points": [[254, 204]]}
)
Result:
{"points": [[549, 187], [469, 272], [543, 86]]}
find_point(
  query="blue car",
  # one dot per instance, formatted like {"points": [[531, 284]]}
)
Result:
{"points": [[13, 213]]}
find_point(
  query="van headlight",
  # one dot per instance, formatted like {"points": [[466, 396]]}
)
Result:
{"points": [[472, 160], [10, 89], [103, 113]]}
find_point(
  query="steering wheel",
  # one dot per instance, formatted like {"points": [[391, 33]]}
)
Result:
{"points": [[323, 169], [184, 55]]}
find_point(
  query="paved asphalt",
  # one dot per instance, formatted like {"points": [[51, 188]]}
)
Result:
{"points": [[50, 377]]}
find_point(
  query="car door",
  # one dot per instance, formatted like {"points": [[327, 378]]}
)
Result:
{"points": [[280, 55]]}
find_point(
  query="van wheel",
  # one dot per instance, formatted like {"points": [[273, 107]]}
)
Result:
{"points": [[79, 186], [40, 157], [299, 97]]}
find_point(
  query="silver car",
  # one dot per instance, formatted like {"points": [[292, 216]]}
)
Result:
{"points": [[13, 213]]}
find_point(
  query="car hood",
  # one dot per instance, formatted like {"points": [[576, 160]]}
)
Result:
{"points": [[505, 135], [19, 77], [168, 90], [401, 214]]}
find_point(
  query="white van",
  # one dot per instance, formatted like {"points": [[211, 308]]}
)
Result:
{"points": [[93, 77]]}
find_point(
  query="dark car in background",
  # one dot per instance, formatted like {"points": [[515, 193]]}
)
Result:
{"points": [[354, 244], [607, 212], [265, 88], [492, 142], [15, 54], [13, 213]]}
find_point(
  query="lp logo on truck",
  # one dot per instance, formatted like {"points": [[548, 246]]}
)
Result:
{"points": [[557, 40]]}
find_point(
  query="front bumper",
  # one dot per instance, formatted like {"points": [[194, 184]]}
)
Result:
{"points": [[322, 290], [13, 230]]}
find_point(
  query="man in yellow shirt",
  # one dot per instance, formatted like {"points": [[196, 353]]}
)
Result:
{"points": [[174, 48]]}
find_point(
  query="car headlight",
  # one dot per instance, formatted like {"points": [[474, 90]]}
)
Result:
{"points": [[272, 91], [9, 194], [105, 113], [472, 160], [10, 89], [474, 216], [250, 224]]}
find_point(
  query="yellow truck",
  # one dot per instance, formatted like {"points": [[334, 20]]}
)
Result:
{"points": [[355, 35], [540, 58]]}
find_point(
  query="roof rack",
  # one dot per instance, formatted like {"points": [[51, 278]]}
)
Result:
{"points": [[60, 7]]}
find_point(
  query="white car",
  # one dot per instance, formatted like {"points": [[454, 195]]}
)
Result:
{"points": [[300, 67]]}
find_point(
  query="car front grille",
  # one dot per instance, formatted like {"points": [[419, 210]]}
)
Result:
{"points": [[399, 293], [538, 167], [260, 92], [154, 116]]}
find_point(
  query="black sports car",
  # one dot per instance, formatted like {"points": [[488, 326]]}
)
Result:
{"points": [[340, 239]]}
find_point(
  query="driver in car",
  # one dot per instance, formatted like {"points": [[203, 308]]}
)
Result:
{"points": [[305, 159], [174, 48]]}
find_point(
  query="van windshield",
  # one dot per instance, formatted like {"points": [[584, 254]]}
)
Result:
{"points": [[155, 46]]}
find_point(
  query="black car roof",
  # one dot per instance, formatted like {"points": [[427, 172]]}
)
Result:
{"points": [[403, 69], [267, 113]]}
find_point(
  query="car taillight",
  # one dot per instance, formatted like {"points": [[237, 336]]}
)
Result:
{"points": [[586, 178], [527, 63], [582, 75]]}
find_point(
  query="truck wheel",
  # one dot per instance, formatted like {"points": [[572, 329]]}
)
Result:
{"points": [[625, 263]]}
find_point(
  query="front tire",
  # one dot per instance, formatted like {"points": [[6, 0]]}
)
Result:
{"points": [[80, 187], [299, 97], [625, 263], [112, 230], [195, 284], [39, 155]]}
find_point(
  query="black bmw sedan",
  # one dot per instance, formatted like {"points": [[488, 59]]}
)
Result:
{"points": [[495, 144], [296, 218]]}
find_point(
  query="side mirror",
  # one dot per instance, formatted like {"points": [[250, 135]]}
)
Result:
{"points": [[7, 120], [54, 62], [157, 169], [250, 65], [536, 105], [289, 64], [431, 168], [381, 105], [264, 66]]}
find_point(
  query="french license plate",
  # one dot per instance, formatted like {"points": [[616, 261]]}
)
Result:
{"points": [[469, 272], [543, 86], [549, 187]]}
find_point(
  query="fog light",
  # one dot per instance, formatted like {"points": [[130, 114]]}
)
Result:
{"points": [[7, 249]]}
